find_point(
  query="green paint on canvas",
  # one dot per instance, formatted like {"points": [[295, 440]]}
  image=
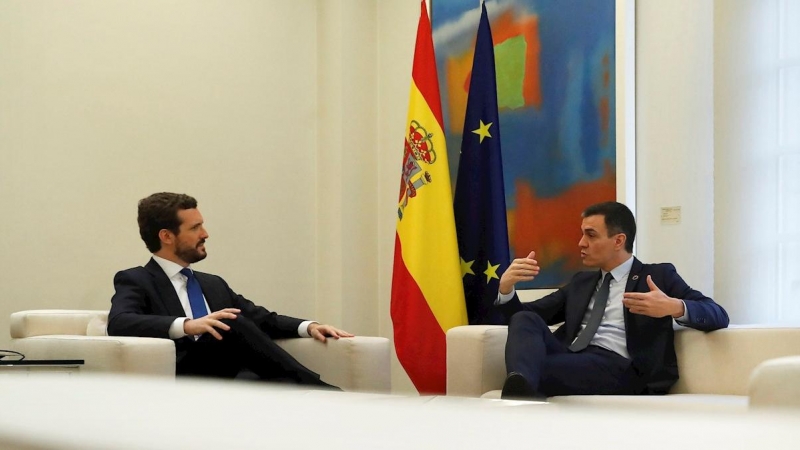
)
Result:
{"points": [[510, 65]]}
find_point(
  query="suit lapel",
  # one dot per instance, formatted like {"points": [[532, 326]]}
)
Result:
{"points": [[634, 278], [209, 292], [165, 290]]}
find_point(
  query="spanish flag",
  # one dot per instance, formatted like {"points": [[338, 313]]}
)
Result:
{"points": [[427, 292]]}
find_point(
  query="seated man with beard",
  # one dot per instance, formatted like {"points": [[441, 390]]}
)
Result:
{"points": [[217, 332]]}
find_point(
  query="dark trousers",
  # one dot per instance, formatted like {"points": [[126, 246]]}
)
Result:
{"points": [[243, 347], [552, 369]]}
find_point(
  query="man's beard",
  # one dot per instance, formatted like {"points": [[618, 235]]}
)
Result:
{"points": [[189, 254]]}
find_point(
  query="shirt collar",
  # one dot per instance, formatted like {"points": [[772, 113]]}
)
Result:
{"points": [[621, 270], [170, 268]]}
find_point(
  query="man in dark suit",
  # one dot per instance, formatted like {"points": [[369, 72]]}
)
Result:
{"points": [[617, 332], [217, 332]]}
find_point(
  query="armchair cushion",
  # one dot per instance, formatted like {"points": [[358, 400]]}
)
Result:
{"points": [[476, 361]]}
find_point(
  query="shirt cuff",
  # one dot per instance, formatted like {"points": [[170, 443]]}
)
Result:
{"points": [[176, 329], [302, 330], [502, 299], [684, 319]]}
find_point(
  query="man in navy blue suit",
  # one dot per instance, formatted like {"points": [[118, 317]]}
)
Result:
{"points": [[217, 332], [617, 332]]}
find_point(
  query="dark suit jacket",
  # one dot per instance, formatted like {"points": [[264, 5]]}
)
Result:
{"points": [[145, 304], [650, 340]]}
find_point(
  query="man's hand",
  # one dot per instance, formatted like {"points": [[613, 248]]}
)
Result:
{"points": [[521, 269], [319, 332], [654, 303], [207, 324]]}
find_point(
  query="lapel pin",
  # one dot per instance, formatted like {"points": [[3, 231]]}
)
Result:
{"points": [[635, 277]]}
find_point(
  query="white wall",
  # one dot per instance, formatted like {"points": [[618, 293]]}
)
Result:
{"points": [[675, 135], [104, 102], [746, 115], [346, 165]]}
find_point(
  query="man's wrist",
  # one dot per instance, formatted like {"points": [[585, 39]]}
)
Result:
{"points": [[679, 308], [176, 329], [304, 330]]}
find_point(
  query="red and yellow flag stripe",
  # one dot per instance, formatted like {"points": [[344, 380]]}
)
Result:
{"points": [[427, 292]]}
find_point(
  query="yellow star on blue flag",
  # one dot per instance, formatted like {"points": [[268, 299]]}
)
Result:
{"points": [[491, 271], [466, 268], [483, 130]]}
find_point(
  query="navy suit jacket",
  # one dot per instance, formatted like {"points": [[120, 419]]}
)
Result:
{"points": [[650, 340], [145, 304]]}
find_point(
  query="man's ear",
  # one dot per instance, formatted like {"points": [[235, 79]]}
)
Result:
{"points": [[166, 236], [619, 241]]}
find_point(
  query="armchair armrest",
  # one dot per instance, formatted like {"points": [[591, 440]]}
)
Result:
{"points": [[476, 361], [359, 363], [776, 384], [43, 322]]}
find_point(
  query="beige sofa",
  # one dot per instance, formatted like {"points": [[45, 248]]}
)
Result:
{"points": [[715, 368], [356, 364]]}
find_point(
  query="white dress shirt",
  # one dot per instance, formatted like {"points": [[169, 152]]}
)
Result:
{"points": [[611, 333], [173, 272]]}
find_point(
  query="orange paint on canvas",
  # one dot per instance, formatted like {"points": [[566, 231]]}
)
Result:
{"points": [[531, 226], [458, 73]]}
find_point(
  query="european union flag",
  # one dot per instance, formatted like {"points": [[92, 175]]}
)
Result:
{"points": [[480, 205]]}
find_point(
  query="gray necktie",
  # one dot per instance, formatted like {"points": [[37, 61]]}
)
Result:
{"points": [[599, 308]]}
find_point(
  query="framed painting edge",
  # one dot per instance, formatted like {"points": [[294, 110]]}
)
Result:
{"points": [[625, 30]]}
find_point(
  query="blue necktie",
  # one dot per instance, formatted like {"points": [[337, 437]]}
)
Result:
{"points": [[196, 301]]}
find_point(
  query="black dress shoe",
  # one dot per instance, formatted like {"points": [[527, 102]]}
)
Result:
{"points": [[516, 387]]}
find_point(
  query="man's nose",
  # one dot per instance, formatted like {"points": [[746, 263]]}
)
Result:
{"points": [[582, 242]]}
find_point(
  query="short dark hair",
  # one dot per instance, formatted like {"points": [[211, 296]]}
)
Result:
{"points": [[618, 219], [160, 212]]}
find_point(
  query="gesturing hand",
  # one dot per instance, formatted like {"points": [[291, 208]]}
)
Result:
{"points": [[654, 303], [207, 324], [521, 269], [319, 332]]}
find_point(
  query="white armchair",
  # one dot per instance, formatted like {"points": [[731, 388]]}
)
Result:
{"points": [[356, 364], [715, 368]]}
